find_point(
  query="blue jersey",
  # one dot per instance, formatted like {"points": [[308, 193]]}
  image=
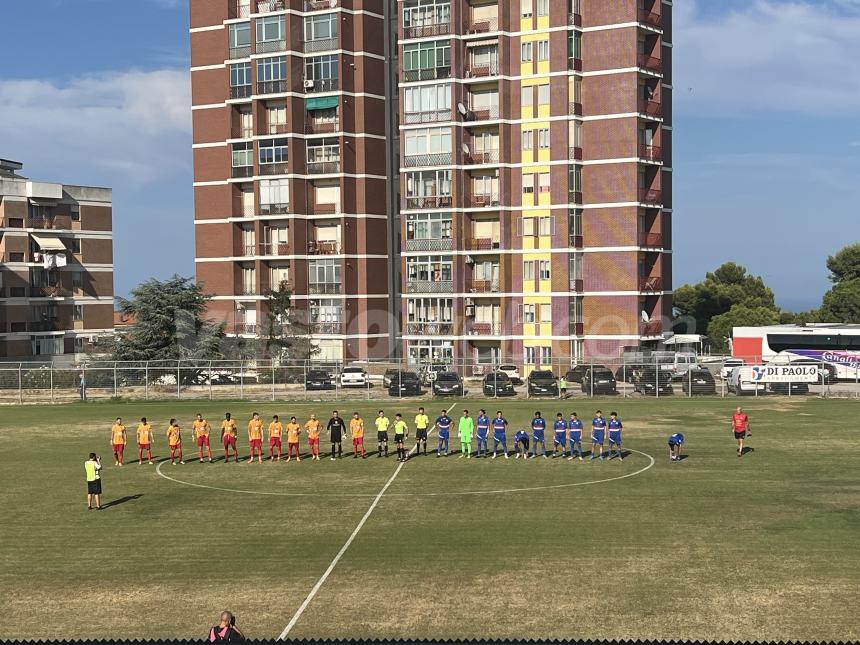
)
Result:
{"points": [[575, 426], [615, 427], [444, 424], [560, 426], [677, 439], [598, 424], [521, 435], [538, 427], [499, 427], [483, 426]]}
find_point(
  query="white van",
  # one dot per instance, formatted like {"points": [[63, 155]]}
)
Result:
{"points": [[728, 365], [741, 382]]}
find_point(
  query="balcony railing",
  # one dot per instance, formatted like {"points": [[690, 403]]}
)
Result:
{"points": [[249, 250], [433, 116], [239, 52], [238, 10], [651, 153], [277, 128], [271, 46], [574, 64], [323, 167], [574, 108], [275, 209], [480, 71], [482, 157], [425, 31], [240, 91], [429, 286], [426, 74], [574, 19], [325, 209], [243, 328], [320, 45], [483, 329], [435, 159], [574, 153], [275, 248], [323, 247], [248, 290], [483, 200], [444, 244], [272, 87], [243, 171], [484, 286], [651, 240], [280, 168], [265, 6], [481, 244], [429, 201], [429, 329], [485, 113], [321, 85], [650, 18], [651, 108], [44, 326], [652, 283], [53, 291], [55, 222], [325, 327], [481, 25], [577, 328], [651, 196], [650, 63], [321, 126], [651, 329], [319, 5], [576, 285], [575, 241], [575, 196], [324, 288]]}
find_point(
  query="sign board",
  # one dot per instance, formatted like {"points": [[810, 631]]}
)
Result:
{"points": [[784, 374]]}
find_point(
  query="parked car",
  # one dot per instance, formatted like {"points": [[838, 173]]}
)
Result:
{"points": [[741, 382], [728, 365], [386, 377], [575, 373], [447, 384], [319, 380], [512, 372], [652, 381], [542, 383], [498, 384], [405, 384], [627, 373], [699, 381], [353, 377], [599, 380], [788, 388]]}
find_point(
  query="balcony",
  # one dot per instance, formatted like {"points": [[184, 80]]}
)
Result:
{"points": [[651, 240], [240, 91], [321, 45], [484, 286], [576, 328], [243, 171], [482, 70], [275, 248], [429, 329], [650, 63], [267, 6], [654, 154], [443, 244], [429, 201], [238, 9], [651, 284], [44, 326], [271, 46], [55, 222], [651, 329], [651, 196], [275, 209], [433, 116], [325, 328], [574, 153], [485, 113], [51, 291], [481, 244], [575, 196], [426, 74], [249, 250], [576, 285], [574, 108], [325, 208], [481, 25], [321, 85], [653, 109], [650, 18], [574, 64], [248, 290], [483, 329], [482, 200], [320, 5], [239, 52], [322, 126], [323, 247], [429, 286], [482, 157], [574, 19], [575, 241], [326, 167], [420, 161], [280, 168], [245, 329], [324, 288], [272, 87], [275, 128], [426, 31]]}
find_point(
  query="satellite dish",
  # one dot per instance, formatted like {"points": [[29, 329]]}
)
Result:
{"points": [[645, 317], [462, 109]]}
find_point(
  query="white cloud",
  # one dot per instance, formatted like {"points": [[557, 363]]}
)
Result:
{"points": [[131, 126], [790, 56]]}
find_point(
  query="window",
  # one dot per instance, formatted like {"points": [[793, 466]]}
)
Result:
{"points": [[427, 55], [574, 45], [425, 13], [532, 226], [240, 74], [243, 154], [322, 68], [542, 7], [430, 183], [529, 270], [526, 8], [543, 138], [528, 137], [429, 310], [270, 28], [575, 221], [528, 183], [326, 311], [321, 27], [429, 226], [78, 313], [575, 134], [544, 269], [575, 179], [274, 192], [324, 272], [543, 50], [273, 151], [239, 35], [428, 141], [75, 246], [430, 268], [575, 266], [543, 186], [545, 355], [543, 94], [528, 314], [527, 98], [575, 310], [529, 355], [545, 310], [77, 281], [276, 115], [427, 98], [75, 212], [574, 89], [272, 69], [526, 52], [327, 193], [249, 281], [44, 346]]}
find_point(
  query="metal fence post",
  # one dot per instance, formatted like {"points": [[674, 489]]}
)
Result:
{"points": [[178, 375], [273, 380], [51, 377], [242, 380], [146, 381], [114, 380], [210, 380]]}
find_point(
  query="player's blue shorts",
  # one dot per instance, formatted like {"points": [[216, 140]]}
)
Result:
{"points": [[538, 436], [575, 437], [597, 436], [482, 437], [560, 439], [499, 436], [614, 437], [443, 434]]}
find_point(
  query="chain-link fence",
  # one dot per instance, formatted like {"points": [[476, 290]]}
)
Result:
{"points": [[658, 376]]}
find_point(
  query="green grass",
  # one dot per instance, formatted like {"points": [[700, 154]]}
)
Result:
{"points": [[763, 547]]}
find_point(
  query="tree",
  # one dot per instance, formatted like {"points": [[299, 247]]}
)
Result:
{"points": [[720, 327], [727, 286], [168, 323], [845, 265], [842, 303], [285, 337]]}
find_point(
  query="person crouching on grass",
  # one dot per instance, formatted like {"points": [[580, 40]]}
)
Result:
{"points": [[92, 467], [174, 442], [675, 443], [401, 431], [521, 441]]}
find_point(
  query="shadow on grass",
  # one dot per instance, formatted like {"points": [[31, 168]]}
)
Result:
{"points": [[746, 450], [122, 500]]}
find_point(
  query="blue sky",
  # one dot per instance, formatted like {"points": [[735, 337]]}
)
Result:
{"points": [[766, 132]]}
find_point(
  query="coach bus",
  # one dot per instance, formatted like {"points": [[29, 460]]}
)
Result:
{"points": [[836, 345]]}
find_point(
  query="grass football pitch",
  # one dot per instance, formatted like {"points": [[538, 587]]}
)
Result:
{"points": [[712, 547]]}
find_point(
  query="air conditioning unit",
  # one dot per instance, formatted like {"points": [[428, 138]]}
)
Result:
{"points": [[309, 85], [470, 311]]}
